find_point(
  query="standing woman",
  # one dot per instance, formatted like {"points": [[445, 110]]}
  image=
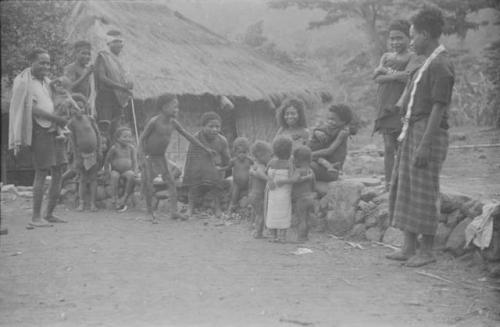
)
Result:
{"points": [[292, 123]]}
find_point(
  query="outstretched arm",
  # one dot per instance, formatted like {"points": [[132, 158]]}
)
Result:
{"points": [[190, 137], [333, 146]]}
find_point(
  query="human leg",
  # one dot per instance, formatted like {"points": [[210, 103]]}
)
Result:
{"points": [[129, 177], [327, 165], [82, 188], [114, 180], [424, 255], [54, 193], [40, 176], [148, 187], [390, 146], [235, 194], [172, 193], [93, 193], [408, 250], [304, 208]]}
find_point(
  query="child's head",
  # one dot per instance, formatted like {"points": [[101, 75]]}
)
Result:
{"points": [[282, 147], [211, 124], [123, 135], [81, 101], [302, 157], [399, 35], [82, 52], [241, 147], [339, 114], [60, 85], [168, 105], [262, 152], [291, 114]]}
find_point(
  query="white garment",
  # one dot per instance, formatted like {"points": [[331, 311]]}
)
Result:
{"points": [[42, 100], [480, 230], [279, 202]]}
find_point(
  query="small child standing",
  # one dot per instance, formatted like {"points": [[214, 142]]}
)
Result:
{"points": [[279, 201], [86, 146], [121, 163], [153, 145], [240, 165], [60, 97], [333, 148], [262, 153], [302, 191], [202, 170]]}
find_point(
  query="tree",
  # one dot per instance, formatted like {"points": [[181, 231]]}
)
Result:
{"points": [[376, 14], [29, 24]]}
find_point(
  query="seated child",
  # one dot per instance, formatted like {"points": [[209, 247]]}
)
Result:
{"points": [[153, 145], [302, 191], [121, 163], [86, 145], [60, 95], [333, 148], [279, 200], [201, 170], [322, 134], [262, 153], [240, 164]]}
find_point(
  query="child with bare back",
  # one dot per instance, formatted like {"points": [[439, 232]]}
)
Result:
{"points": [[240, 165], [86, 146], [121, 163], [303, 191], [262, 153], [153, 144], [60, 96]]}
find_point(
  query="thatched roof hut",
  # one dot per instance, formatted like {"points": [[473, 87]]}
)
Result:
{"points": [[167, 53]]}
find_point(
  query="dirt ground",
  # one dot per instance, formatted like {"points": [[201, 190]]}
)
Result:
{"points": [[110, 269]]}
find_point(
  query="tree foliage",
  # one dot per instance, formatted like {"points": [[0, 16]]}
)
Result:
{"points": [[30, 24], [376, 14]]}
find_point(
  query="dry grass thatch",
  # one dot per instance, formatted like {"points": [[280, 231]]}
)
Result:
{"points": [[167, 53]]}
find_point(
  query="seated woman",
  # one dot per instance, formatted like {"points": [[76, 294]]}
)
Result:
{"points": [[333, 144]]}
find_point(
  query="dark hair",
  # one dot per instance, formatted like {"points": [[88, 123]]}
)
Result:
{"points": [[297, 104], [282, 147], [208, 116], [82, 45], [343, 111], [260, 147], [114, 33], [430, 20], [164, 99], [401, 25], [241, 142], [120, 131], [33, 55], [302, 154]]}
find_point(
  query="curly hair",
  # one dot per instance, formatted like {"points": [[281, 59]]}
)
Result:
{"points": [[302, 154], [242, 143], [208, 116], [260, 148], [343, 111], [82, 45], [33, 55], [165, 99], [120, 131], [297, 104], [401, 25], [430, 20], [282, 147]]}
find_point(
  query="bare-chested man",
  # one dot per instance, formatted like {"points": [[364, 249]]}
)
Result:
{"points": [[153, 145]]}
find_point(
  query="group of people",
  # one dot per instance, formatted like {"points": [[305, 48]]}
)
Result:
{"points": [[415, 88]]}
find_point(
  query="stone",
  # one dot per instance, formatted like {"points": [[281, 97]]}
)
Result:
{"points": [[456, 241], [367, 181], [359, 217], [393, 236], [384, 197], [9, 188], [343, 198], [454, 218], [482, 156], [472, 208], [25, 188], [358, 232], [371, 221], [374, 234], [452, 200], [321, 187], [382, 215], [364, 165], [25, 194], [369, 193], [458, 137], [442, 233]]}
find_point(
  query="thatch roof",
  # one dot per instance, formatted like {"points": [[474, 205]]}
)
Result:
{"points": [[167, 53]]}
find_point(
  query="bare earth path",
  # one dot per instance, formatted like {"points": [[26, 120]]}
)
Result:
{"points": [[109, 269]]}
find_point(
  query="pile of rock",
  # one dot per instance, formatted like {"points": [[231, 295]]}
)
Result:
{"points": [[358, 208]]}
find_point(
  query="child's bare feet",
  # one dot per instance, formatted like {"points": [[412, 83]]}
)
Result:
{"points": [[178, 215], [55, 219], [257, 235], [93, 208], [80, 208]]}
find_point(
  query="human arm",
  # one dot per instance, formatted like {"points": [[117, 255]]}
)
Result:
{"points": [[72, 76], [381, 70], [290, 180], [424, 148], [109, 158], [100, 71], [98, 137], [341, 137], [48, 116], [148, 129], [191, 138], [133, 154]]}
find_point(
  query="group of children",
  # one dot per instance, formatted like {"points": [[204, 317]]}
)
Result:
{"points": [[277, 178]]}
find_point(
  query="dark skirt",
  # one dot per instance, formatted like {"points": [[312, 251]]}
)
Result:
{"points": [[46, 150]]}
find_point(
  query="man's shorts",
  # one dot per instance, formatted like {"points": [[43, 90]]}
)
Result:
{"points": [[46, 150]]}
